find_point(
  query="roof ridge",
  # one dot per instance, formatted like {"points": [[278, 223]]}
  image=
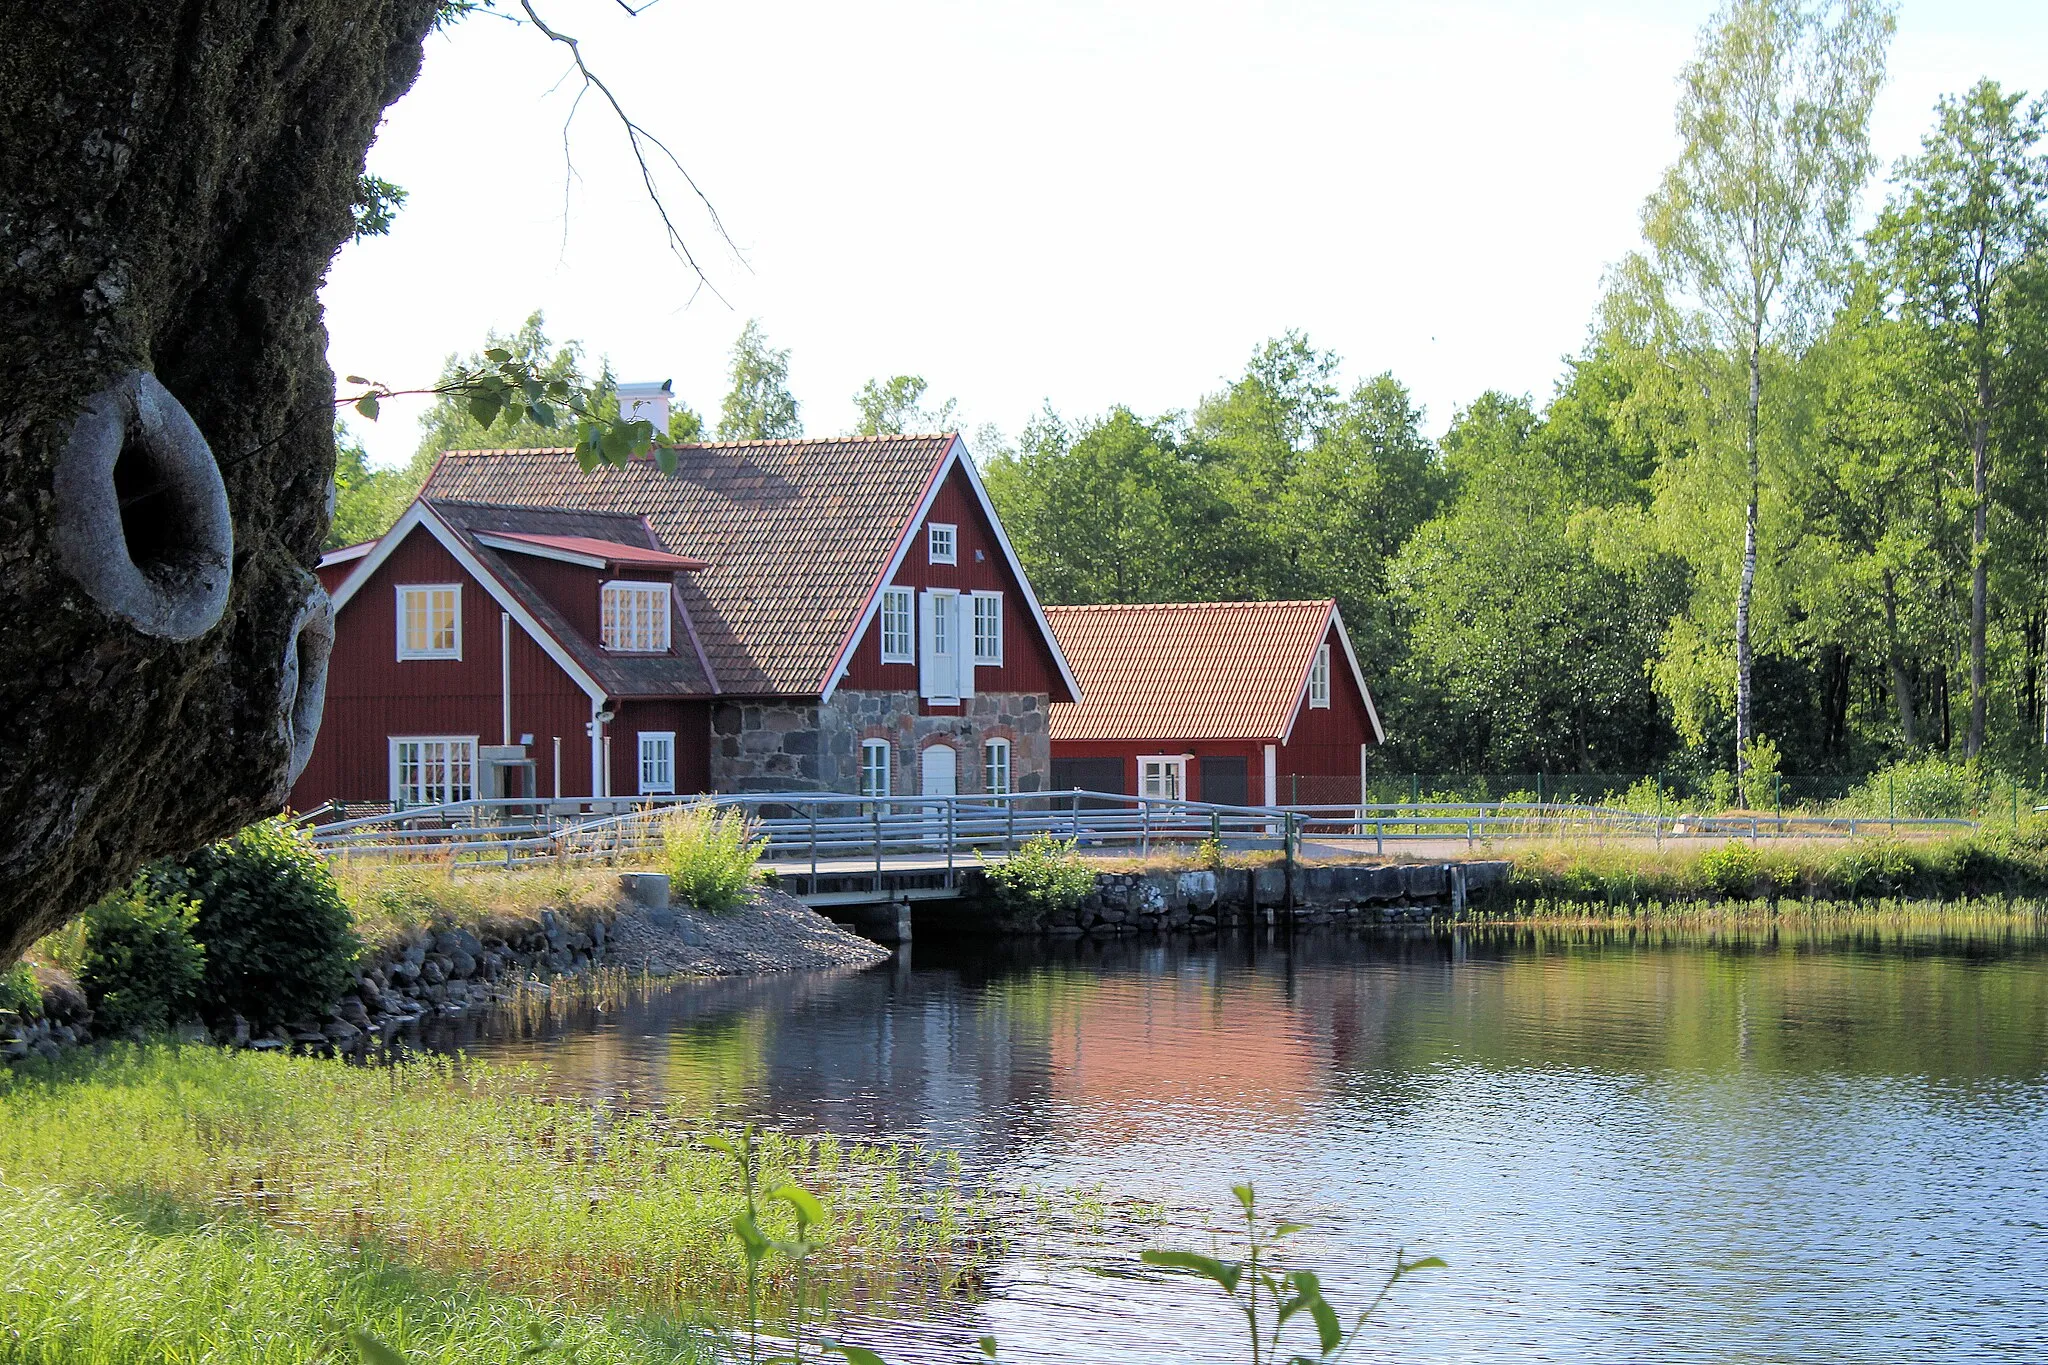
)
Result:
{"points": [[724, 445], [1170, 606]]}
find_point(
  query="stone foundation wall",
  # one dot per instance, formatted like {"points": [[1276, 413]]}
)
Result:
{"points": [[1206, 900], [798, 746]]}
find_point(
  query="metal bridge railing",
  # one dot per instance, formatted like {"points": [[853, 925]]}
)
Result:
{"points": [[836, 834]]}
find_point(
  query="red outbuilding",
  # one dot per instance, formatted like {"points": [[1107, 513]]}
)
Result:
{"points": [[1238, 703]]}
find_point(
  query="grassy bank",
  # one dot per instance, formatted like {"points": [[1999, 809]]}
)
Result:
{"points": [[124, 1280], [469, 1173], [391, 900], [1985, 864]]}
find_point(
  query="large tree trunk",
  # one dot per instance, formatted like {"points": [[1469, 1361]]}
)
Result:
{"points": [[1902, 682], [1744, 732], [174, 180], [1980, 535]]}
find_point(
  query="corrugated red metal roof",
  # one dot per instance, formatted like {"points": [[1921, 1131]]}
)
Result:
{"points": [[610, 551], [1186, 670], [796, 534]]}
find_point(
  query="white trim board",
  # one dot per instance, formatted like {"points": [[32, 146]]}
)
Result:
{"points": [[420, 515]]}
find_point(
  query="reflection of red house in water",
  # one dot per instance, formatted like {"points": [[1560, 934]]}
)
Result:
{"points": [[1134, 1047], [1232, 702]]}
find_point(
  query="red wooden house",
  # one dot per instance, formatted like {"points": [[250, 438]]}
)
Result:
{"points": [[839, 615], [1239, 703]]}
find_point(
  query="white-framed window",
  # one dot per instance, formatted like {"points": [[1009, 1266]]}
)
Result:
{"points": [[988, 628], [635, 617], [657, 762], [430, 621], [995, 767], [943, 541], [1319, 677], [1163, 777], [899, 629], [874, 767], [428, 770], [945, 624]]}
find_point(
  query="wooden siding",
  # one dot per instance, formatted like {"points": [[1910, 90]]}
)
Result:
{"points": [[577, 592], [691, 721], [1027, 659], [1325, 739], [372, 695]]}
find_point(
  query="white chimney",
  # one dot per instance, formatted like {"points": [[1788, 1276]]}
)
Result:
{"points": [[648, 403]]}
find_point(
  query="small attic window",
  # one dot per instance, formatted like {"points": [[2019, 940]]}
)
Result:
{"points": [[944, 542], [636, 617]]}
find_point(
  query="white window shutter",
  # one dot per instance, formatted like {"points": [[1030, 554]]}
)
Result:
{"points": [[964, 642], [928, 657]]}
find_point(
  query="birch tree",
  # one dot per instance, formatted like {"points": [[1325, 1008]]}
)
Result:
{"points": [[1754, 217]]}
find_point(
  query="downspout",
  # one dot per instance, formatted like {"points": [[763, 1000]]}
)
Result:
{"points": [[505, 669], [597, 773]]}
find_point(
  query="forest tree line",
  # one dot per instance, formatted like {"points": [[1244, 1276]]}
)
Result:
{"points": [[1786, 508]]}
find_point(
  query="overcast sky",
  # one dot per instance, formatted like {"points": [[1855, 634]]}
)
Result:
{"points": [[1083, 203]]}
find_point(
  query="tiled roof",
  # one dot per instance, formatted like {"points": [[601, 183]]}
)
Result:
{"points": [[610, 551], [1186, 670], [681, 673], [796, 535]]}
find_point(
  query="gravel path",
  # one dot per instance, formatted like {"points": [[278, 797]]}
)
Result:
{"points": [[769, 932]]}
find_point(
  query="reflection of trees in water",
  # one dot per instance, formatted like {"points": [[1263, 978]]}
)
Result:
{"points": [[990, 1048]]}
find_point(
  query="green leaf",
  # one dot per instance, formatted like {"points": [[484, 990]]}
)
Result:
{"points": [[484, 407], [1244, 1196], [1426, 1263], [855, 1355], [719, 1143], [367, 406], [988, 1347], [665, 457], [355, 379], [1225, 1273], [751, 1237], [806, 1204], [372, 1351], [1283, 1229], [1329, 1331], [497, 355]]}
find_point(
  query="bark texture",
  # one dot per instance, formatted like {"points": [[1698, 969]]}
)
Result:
{"points": [[174, 180]]}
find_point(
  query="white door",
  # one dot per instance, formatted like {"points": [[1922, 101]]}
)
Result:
{"points": [[937, 771]]}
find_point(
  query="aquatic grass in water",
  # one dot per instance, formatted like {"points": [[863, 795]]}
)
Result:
{"points": [[467, 1168]]}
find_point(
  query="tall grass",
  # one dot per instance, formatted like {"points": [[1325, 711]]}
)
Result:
{"points": [[463, 1169], [393, 899], [711, 855], [116, 1280]]}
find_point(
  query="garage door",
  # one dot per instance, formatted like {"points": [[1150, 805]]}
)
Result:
{"points": [[1224, 782], [1088, 775]]}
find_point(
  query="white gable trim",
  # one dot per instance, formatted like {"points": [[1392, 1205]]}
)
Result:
{"points": [[1372, 712], [527, 547], [346, 553], [956, 454], [419, 515]]}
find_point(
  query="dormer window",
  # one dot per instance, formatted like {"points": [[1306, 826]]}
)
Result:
{"points": [[944, 542], [636, 617]]}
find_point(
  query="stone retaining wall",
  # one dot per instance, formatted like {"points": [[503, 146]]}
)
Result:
{"points": [[1210, 899]]}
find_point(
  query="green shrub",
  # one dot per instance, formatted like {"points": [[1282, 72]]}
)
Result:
{"points": [[1931, 788], [1044, 877], [712, 855], [20, 993], [1732, 869], [1874, 867], [278, 937], [143, 968]]}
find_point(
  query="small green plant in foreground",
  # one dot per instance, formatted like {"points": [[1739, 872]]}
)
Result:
{"points": [[1270, 1297], [711, 855], [1046, 876], [20, 992]]}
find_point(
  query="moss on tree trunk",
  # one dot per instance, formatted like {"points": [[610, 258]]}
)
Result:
{"points": [[174, 180]]}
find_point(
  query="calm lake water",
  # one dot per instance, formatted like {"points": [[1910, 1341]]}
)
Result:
{"points": [[1666, 1148]]}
